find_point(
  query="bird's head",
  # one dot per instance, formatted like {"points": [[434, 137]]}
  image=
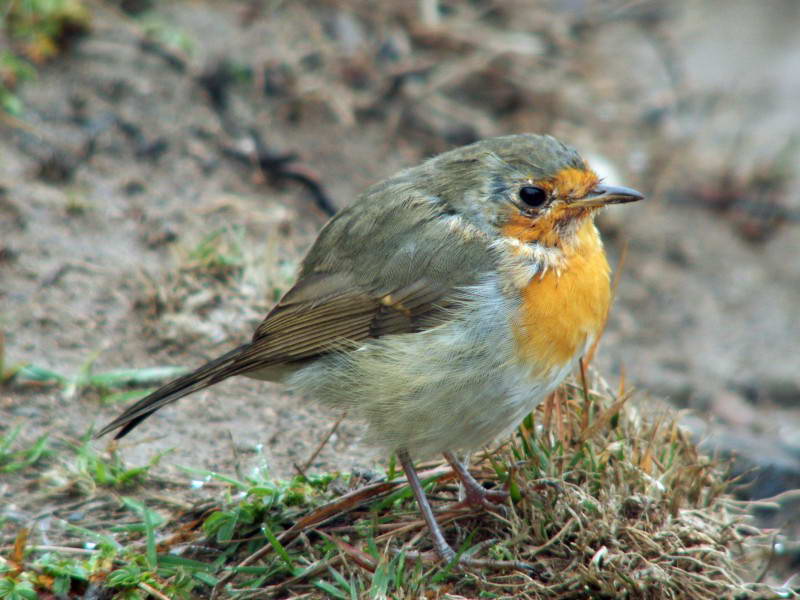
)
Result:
{"points": [[529, 187]]}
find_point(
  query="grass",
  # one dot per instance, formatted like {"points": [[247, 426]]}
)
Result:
{"points": [[12, 459], [604, 504], [89, 470], [118, 385]]}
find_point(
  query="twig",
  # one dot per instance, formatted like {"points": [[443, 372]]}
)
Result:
{"points": [[585, 388], [152, 591], [567, 526], [361, 558], [61, 549], [321, 445], [442, 519], [237, 463], [316, 568], [280, 166], [770, 559], [487, 563]]}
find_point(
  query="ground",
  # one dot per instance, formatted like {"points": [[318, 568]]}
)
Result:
{"points": [[155, 200]]}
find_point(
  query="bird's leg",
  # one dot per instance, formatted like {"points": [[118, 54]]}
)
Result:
{"points": [[443, 549], [477, 495]]}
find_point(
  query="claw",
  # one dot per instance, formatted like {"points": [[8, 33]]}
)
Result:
{"points": [[477, 496]]}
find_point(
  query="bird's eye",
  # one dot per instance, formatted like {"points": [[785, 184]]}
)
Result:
{"points": [[532, 196]]}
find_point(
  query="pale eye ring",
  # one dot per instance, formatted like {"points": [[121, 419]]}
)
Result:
{"points": [[532, 196]]}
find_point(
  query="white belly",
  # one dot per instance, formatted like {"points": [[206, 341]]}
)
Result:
{"points": [[454, 387]]}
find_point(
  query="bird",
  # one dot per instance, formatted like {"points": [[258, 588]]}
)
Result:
{"points": [[440, 307]]}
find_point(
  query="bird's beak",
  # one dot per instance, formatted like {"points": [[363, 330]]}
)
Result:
{"points": [[602, 195]]}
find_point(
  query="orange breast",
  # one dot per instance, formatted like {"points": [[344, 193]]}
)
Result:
{"points": [[560, 311]]}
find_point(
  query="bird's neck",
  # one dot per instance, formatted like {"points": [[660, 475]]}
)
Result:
{"points": [[526, 253], [564, 309]]}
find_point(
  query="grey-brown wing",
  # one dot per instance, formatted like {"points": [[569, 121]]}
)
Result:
{"points": [[366, 278], [302, 327]]}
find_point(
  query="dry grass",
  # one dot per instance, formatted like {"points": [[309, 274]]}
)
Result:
{"points": [[605, 505]]}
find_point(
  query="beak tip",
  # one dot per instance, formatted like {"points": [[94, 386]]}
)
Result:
{"points": [[617, 194]]}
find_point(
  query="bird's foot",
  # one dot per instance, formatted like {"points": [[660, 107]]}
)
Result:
{"points": [[476, 496], [480, 497]]}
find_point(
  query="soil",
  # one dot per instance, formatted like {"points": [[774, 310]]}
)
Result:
{"points": [[131, 152]]}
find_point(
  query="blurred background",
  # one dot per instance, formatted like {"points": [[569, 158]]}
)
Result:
{"points": [[164, 166]]}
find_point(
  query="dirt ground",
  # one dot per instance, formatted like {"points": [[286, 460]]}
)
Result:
{"points": [[131, 153]]}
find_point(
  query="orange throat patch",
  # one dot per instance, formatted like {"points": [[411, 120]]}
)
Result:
{"points": [[565, 308]]}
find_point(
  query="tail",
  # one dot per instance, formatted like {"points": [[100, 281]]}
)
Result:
{"points": [[213, 372]]}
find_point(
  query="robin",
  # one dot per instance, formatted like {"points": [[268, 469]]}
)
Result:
{"points": [[441, 307]]}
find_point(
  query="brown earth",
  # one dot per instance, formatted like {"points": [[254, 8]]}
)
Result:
{"points": [[131, 152]]}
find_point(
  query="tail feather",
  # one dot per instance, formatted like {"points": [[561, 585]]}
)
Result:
{"points": [[212, 372]]}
